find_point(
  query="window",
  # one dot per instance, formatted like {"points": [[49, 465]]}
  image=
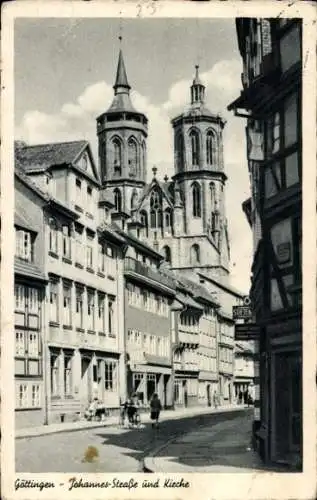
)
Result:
{"points": [[196, 200], [282, 169], [194, 138], [23, 245], [143, 159], [210, 147], [132, 157], [101, 258], [111, 317], [179, 150], [79, 247], [35, 401], [290, 47], [19, 291], [54, 364], [134, 199], [67, 306], [117, 155], [117, 200], [19, 344], [167, 253], [53, 236], [195, 254], [53, 291], [156, 209], [101, 313], [68, 375], [33, 347], [110, 375], [22, 396], [79, 307], [144, 221], [212, 196], [66, 242], [90, 310], [78, 193], [168, 219], [90, 205], [89, 252], [33, 302]]}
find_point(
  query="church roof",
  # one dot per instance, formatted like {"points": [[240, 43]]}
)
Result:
{"points": [[166, 188]]}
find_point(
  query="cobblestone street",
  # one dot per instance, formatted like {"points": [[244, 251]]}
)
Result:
{"points": [[119, 450]]}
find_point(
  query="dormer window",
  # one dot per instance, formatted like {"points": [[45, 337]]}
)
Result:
{"points": [[23, 245]]}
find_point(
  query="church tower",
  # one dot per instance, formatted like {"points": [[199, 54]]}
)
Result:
{"points": [[122, 133], [199, 173]]}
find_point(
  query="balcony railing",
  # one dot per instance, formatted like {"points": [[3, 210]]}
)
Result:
{"points": [[137, 267]]}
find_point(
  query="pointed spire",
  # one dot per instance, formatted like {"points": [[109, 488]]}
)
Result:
{"points": [[121, 78], [197, 88]]}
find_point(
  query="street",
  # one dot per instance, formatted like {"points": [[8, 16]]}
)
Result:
{"points": [[119, 450]]}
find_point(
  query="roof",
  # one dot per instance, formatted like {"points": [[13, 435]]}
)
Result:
{"points": [[42, 156], [225, 315], [197, 80], [197, 290], [121, 78], [136, 241], [28, 269], [226, 287], [239, 348], [22, 221], [187, 301], [107, 197], [164, 186]]}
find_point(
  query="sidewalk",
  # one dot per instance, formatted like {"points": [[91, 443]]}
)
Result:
{"points": [[113, 421], [222, 447]]}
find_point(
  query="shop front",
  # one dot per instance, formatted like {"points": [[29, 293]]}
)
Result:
{"points": [[146, 380]]}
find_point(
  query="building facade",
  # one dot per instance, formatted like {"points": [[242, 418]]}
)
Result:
{"points": [[243, 370], [271, 102], [82, 259], [29, 291]]}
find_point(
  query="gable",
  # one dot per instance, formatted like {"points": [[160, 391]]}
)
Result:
{"points": [[85, 163], [145, 199]]}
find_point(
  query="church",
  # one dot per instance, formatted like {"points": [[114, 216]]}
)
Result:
{"points": [[183, 218]]}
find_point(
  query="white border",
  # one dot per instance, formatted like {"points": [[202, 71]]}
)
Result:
{"points": [[255, 485]]}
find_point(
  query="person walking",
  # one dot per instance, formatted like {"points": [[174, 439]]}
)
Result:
{"points": [[156, 408]]}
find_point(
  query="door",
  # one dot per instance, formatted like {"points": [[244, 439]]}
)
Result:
{"points": [[85, 382], [208, 395]]}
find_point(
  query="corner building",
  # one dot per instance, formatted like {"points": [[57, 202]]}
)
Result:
{"points": [[271, 51]]}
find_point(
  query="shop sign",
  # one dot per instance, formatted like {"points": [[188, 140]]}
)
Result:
{"points": [[241, 312]]}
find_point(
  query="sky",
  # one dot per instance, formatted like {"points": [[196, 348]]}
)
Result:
{"points": [[65, 70]]}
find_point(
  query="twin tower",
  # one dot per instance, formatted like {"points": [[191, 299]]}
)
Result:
{"points": [[183, 218]]}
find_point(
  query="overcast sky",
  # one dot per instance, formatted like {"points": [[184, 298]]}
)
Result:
{"points": [[65, 70]]}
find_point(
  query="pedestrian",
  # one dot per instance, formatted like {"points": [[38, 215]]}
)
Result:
{"points": [[156, 408], [215, 398]]}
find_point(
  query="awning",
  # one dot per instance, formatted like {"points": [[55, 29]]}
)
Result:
{"points": [[163, 370]]}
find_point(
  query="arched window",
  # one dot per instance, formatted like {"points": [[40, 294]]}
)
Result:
{"points": [[196, 200], [143, 159], [144, 220], [117, 155], [210, 147], [132, 156], [194, 138], [167, 253], [53, 235], [134, 199], [156, 209], [212, 196], [195, 254], [179, 151], [117, 200], [168, 219]]}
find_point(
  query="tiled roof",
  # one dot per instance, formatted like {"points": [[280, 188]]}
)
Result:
{"points": [[225, 315], [222, 285], [28, 269], [42, 156], [136, 240], [197, 290], [20, 174]]}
